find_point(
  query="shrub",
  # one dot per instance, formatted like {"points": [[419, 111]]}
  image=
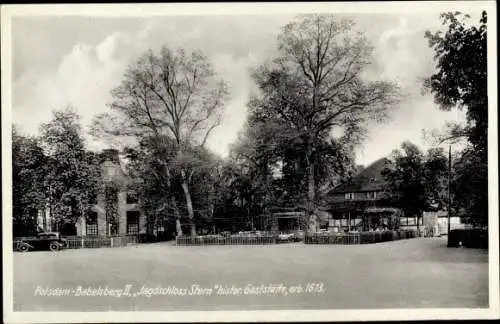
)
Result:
{"points": [[471, 238], [357, 238]]}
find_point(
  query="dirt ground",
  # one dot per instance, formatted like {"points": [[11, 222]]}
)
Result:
{"points": [[411, 273]]}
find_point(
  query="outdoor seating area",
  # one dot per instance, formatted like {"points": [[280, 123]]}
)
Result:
{"points": [[359, 237], [261, 238]]}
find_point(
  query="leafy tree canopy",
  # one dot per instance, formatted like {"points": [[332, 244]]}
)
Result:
{"points": [[417, 181], [461, 76]]}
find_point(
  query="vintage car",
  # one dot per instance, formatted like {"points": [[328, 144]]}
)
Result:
{"points": [[43, 241], [296, 236]]}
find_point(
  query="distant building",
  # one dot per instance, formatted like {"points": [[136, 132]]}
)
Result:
{"points": [[362, 203], [99, 220], [438, 222], [129, 219]]}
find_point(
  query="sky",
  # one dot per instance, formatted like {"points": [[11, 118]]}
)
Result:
{"points": [[76, 60]]}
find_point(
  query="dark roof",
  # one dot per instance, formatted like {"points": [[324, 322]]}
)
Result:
{"points": [[369, 179]]}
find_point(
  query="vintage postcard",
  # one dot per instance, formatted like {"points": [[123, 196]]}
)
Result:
{"points": [[249, 162]]}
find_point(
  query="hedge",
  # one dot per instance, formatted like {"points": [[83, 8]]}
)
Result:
{"points": [[358, 238], [471, 238]]}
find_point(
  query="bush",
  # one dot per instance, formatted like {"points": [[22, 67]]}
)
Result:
{"points": [[471, 238]]}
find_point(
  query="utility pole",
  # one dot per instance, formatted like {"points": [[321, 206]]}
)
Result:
{"points": [[349, 224], [449, 190]]}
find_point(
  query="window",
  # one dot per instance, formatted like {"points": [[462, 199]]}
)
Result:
{"points": [[349, 196], [131, 197], [132, 229], [47, 236], [132, 223], [92, 228]]}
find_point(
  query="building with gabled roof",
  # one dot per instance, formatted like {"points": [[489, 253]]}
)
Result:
{"points": [[362, 203]]}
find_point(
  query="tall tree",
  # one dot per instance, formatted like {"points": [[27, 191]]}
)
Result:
{"points": [[169, 95], [416, 181], [73, 176], [29, 168], [159, 202], [148, 182], [460, 81], [255, 153], [315, 86], [469, 187], [150, 164]]}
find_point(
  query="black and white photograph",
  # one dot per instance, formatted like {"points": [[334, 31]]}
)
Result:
{"points": [[249, 162]]}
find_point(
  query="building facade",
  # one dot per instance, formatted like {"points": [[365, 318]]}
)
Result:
{"points": [[362, 204], [116, 210], [122, 216]]}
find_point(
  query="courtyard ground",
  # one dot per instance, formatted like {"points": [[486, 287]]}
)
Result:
{"points": [[411, 273]]}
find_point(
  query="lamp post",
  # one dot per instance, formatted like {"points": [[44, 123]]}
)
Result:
{"points": [[449, 191]]}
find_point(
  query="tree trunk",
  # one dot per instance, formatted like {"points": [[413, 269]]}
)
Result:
{"points": [[311, 196], [189, 203], [178, 226]]}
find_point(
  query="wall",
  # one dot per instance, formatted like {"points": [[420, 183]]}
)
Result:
{"points": [[455, 223]]}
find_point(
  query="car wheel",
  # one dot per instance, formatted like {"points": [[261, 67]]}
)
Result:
{"points": [[54, 246], [23, 248]]}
